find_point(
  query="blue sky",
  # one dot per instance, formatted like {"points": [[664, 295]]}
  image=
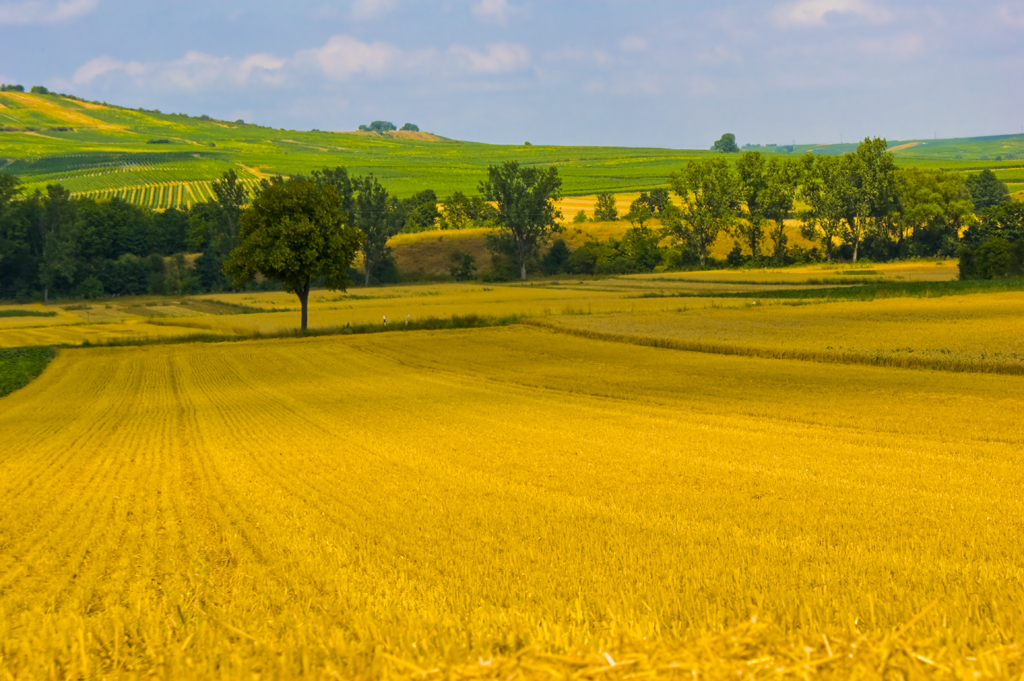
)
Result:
{"points": [[620, 72]]}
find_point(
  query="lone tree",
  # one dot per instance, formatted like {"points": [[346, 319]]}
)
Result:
{"points": [[525, 198], [726, 144], [295, 232]]}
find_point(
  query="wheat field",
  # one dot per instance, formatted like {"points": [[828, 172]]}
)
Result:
{"points": [[505, 503]]}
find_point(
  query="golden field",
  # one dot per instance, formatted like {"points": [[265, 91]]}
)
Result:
{"points": [[981, 332], [505, 502]]}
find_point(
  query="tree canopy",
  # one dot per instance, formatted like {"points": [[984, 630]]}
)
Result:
{"points": [[295, 232], [726, 144], [986, 190], [709, 195], [525, 199]]}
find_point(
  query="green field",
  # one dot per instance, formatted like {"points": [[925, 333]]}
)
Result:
{"points": [[161, 160]]}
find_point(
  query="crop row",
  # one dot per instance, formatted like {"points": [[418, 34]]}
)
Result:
{"points": [[162, 195]]}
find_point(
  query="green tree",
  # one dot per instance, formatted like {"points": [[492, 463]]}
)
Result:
{"points": [[411, 127], [708, 192], [605, 210], [639, 213], [525, 199], [933, 206], [231, 197], [782, 176], [825, 190], [338, 179], [751, 184], [986, 190], [726, 144], [382, 126], [376, 218], [461, 212], [295, 232], [871, 173], [59, 239]]}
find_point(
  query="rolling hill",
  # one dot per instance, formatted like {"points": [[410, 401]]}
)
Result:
{"points": [[165, 159]]}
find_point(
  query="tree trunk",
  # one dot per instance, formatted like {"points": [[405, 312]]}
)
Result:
{"points": [[366, 270], [304, 300], [522, 270], [856, 244], [46, 293]]}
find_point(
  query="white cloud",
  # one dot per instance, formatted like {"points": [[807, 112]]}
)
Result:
{"points": [[44, 12], [632, 43], [371, 9], [493, 10], [499, 58], [344, 56], [816, 12], [192, 72]]}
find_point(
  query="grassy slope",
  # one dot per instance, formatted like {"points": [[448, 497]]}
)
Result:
{"points": [[89, 147]]}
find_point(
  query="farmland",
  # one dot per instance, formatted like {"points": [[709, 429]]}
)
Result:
{"points": [[161, 160], [514, 501]]}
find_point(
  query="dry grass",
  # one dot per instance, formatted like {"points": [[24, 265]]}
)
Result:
{"points": [[956, 333], [505, 503]]}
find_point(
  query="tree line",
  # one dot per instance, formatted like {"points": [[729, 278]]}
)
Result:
{"points": [[55, 244], [851, 206]]}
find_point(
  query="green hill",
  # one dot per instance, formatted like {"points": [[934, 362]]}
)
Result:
{"points": [[159, 160]]}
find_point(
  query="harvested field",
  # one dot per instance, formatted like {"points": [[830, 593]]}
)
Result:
{"points": [[505, 503]]}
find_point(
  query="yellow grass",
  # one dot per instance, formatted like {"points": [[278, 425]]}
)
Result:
{"points": [[62, 113], [505, 503], [979, 332]]}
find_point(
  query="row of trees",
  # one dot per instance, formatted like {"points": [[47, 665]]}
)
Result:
{"points": [[846, 204], [54, 243]]}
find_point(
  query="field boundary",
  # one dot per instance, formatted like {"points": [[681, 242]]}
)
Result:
{"points": [[822, 357]]}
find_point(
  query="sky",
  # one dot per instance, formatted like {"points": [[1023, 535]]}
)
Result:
{"points": [[657, 73]]}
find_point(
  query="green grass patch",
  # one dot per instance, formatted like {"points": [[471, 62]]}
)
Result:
{"points": [[27, 313], [18, 366]]}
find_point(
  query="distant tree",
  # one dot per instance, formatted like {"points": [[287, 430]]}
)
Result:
{"points": [[362, 128], [708, 192], [639, 212], [419, 212], [726, 144], [605, 210], [778, 198], [60, 239], [933, 206], [375, 217], [871, 173], [752, 184], [825, 190], [295, 232], [580, 217], [658, 199], [525, 199], [12, 88], [411, 127], [231, 196], [382, 126], [39, 90], [460, 212], [986, 190]]}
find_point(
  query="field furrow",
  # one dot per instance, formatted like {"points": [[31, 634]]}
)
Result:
{"points": [[322, 504]]}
